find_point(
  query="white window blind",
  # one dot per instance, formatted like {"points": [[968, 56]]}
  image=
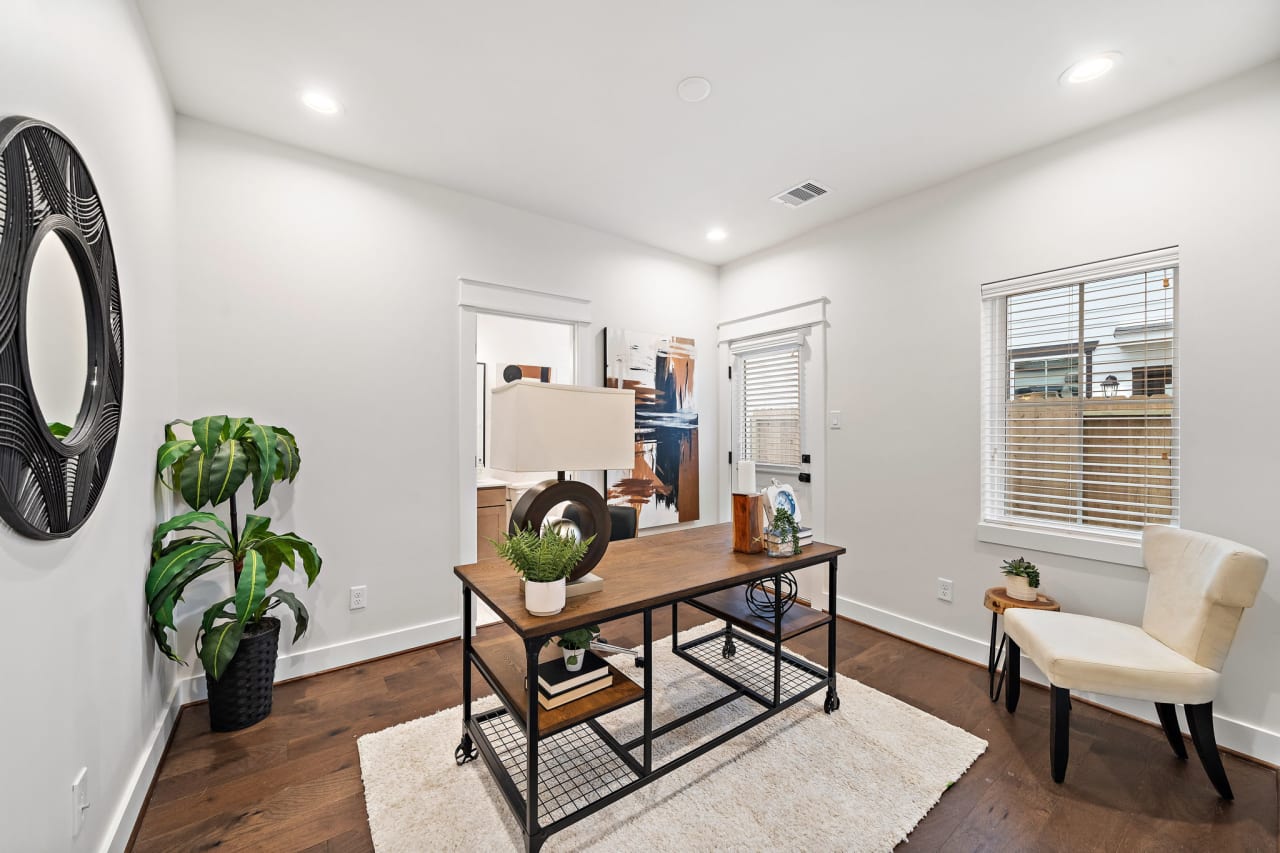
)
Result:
{"points": [[1080, 420], [767, 373]]}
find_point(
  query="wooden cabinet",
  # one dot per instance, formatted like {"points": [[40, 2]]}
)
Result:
{"points": [[491, 518]]}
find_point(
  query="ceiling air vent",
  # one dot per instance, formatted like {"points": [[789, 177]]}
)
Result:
{"points": [[802, 194]]}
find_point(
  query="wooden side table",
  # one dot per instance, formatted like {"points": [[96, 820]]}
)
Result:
{"points": [[998, 601]]}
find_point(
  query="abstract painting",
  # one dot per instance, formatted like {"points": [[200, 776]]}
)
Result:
{"points": [[663, 484]]}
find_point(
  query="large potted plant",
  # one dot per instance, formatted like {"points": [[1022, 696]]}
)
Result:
{"points": [[237, 640], [545, 562]]}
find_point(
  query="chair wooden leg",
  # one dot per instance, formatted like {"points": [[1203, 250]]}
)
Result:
{"points": [[1200, 724], [1169, 722], [1012, 676], [1059, 731]]}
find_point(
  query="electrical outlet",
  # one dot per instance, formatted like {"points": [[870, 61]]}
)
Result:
{"points": [[79, 800], [358, 597], [944, 589]]}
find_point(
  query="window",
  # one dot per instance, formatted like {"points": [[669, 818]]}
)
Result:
{"points": [[1080, 422], [767, 391]]}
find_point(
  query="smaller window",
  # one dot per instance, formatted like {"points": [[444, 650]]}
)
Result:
{"points": [[1153, 380], [769, 406]]}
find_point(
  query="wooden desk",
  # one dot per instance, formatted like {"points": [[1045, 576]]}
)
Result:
{"points": [[695, 565]]}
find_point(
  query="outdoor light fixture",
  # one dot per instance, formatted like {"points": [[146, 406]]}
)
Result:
{"points": [[1110, 385]]}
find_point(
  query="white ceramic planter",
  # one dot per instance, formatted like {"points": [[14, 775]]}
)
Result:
{"points": [[544, 599], [1017, 587], [573, 659]]}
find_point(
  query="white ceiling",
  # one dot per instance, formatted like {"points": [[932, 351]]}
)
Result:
{"points": [[569, 107]]}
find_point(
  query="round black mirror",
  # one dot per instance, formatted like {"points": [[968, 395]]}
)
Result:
{"points": [[61, 335]]}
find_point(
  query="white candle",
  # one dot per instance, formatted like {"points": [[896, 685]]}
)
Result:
{"points": [[746, 477]]}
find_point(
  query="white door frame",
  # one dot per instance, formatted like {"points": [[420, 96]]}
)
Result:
{"points": [[482, 297], [811, 317]]}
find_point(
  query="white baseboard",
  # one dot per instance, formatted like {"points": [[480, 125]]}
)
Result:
{"points": [[311, 661], [1233, 734], [129, 808]]}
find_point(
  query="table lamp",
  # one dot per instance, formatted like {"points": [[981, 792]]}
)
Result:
{"points": [[540, 426]]}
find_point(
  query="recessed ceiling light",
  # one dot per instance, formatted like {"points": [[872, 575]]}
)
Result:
{"points": [[717, 234], [694, 89], [321, 103], [1090, 68]]}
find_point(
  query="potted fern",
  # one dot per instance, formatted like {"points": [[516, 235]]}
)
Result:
{"points": [[545, 562], [238, 640], [1022, 579]]}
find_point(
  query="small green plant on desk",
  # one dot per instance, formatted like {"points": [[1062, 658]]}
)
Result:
{"points": [[544, 561], [784, 527], [574, 643]]}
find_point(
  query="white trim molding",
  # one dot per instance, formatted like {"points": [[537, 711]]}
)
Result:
{"points": [[1123, 551], [1110, 268], [522, 302], [799, 316]]}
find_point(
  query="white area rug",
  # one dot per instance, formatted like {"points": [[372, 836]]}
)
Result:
{"points": [[859, 779]]}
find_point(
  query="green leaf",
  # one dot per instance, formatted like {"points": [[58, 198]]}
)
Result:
{"points": [[172, 451], [216, 612], [263, 440], [235, 427], [300, 616], [218, 646], [252, 587], [255, 527], [311, 561], [162, 619], [59, 429], [188, 521], [193, 479], [289, 460], [168, 566], [276, 555], [227, 470], [208, 431]]}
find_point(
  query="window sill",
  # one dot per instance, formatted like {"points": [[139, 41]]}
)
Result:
{"points": [[1120, 550]]}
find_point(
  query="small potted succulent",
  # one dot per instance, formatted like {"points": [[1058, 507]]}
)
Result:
{"points": [[574, 643], [545, 562], [1022, 579]]}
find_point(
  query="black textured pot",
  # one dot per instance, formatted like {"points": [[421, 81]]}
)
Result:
{"points": [[242, 696]]}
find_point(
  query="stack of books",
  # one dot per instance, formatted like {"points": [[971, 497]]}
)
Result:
{"points": [[558, 686], [806, 537]]}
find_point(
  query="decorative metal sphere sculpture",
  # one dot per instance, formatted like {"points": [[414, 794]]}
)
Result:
{"points": [[762, 601]]}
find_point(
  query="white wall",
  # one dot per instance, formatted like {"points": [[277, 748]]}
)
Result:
{"points": [[336, 289], [83, 685], [1203, 173]]}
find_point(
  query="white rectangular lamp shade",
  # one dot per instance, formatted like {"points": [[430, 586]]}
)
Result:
{"points": [[539, 426]]}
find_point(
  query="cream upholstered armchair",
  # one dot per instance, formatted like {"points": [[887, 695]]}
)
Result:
{"points": [[1199, 588]]}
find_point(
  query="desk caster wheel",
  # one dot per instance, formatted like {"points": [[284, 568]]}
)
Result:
{"points": [[832, 704], [466, 751], [730, 649]]}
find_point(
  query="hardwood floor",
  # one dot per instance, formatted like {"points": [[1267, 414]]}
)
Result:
{"points": [[292, 782]]}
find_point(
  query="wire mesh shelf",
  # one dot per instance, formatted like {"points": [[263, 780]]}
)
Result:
{"points": [[751, 664], [575, 767]]}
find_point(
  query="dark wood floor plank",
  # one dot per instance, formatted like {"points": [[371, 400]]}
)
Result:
{"points": [[292, 782]]}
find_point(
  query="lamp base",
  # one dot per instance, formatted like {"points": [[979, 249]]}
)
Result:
{"points": [[585, 585], [537, 502]]}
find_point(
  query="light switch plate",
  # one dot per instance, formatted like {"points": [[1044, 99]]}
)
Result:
{"points": [[834, 419]]}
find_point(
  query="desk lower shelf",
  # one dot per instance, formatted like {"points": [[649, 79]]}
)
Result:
{"points": [[731, 606], [502, 659]]}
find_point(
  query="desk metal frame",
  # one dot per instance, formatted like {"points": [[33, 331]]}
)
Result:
{"points": [[524, 804]]}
